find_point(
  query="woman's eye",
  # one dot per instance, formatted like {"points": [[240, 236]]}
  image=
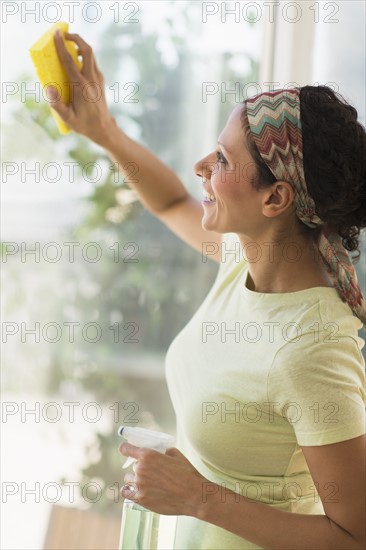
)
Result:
{"points": [[220, 157]]}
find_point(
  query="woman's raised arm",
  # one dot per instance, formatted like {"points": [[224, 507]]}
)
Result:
{"points": [[158, 187]]}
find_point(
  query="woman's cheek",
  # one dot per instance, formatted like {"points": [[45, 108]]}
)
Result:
{"points": [[222, 183], [228, 187]]}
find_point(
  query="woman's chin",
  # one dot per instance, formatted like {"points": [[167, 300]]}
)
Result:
{"points": [[208, 223]]}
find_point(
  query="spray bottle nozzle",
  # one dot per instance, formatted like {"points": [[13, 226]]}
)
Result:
{"points": [[141, 437]]}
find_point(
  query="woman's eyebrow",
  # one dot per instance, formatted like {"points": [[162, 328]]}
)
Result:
{"points": [[223, 146]]}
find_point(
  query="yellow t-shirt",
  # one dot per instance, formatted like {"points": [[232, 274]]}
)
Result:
{"points": [[253, 376]]}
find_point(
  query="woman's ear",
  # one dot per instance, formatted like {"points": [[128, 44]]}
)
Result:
{"points": [[277, 199]]}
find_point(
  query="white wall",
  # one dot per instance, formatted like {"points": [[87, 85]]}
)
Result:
{"points": [[317, 43]]}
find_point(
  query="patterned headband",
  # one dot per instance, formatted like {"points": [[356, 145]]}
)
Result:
{"points": [[274, 120]]}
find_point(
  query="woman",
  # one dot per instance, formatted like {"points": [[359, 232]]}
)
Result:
{"points": [[267, 379]]}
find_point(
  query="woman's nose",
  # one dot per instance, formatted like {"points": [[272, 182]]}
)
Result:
{"points": [[204, 167], [198, 168]]}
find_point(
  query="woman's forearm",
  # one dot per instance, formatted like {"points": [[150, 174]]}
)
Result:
{"points": [[269, 527], [156, 184]]}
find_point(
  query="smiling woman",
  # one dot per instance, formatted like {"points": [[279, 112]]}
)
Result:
{"points": [[258, 415], [227, 175], [284, 409]]}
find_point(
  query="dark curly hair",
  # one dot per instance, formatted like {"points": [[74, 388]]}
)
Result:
{"points": [[334, 150]]}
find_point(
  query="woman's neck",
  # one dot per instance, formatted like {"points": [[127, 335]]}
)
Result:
{"points": [[287, 266]]}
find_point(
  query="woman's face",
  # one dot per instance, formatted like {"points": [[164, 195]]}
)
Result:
{"points": [[227, 174]]}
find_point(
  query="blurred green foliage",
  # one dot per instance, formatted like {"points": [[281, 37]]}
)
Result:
{"points": [[158, 282]]}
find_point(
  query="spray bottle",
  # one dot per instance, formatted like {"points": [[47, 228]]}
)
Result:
{"points": [[142, 529]]}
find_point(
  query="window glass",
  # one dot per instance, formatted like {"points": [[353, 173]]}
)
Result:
{"points": [[96, 288]]}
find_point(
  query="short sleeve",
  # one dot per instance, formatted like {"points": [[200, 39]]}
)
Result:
{"points": [[320, 388]]}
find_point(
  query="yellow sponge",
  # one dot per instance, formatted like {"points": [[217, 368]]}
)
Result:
{"points": [[50, 69]]}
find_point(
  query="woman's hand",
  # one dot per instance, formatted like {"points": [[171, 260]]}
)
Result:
{"points": [[87, 113], [164, 483]]}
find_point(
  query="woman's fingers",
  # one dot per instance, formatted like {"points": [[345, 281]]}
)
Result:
{"points": [[87, 112], [66, 59], [129, 478], [130, 488], [64, 111], [127, 449], [89, 65]]}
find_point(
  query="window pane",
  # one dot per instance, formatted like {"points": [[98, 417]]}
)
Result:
{"points": [[96, 288]]}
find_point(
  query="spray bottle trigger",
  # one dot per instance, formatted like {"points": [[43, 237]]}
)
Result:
{"points": [[129, 461]]}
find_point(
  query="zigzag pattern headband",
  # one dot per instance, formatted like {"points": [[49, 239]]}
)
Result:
{"points": [[274, 120]]}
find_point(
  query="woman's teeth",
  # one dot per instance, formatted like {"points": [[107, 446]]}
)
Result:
{"points": [[208, 197]]}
